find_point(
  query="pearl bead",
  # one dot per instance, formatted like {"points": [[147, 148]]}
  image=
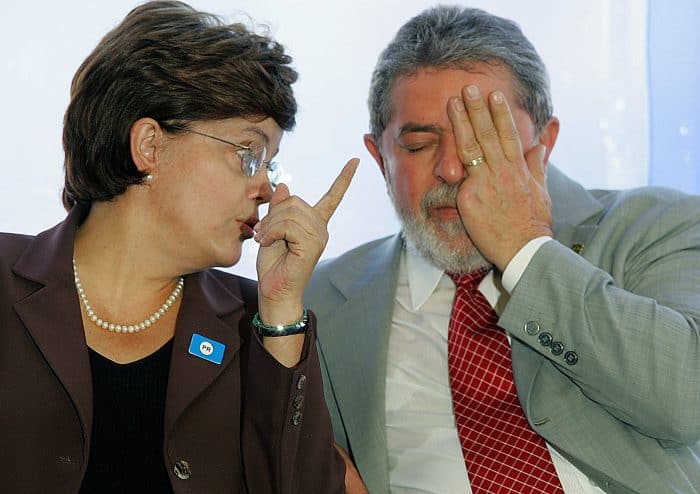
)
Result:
{"points": [[126, 328]]}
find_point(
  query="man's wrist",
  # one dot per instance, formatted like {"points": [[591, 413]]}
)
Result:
{"points": [[517, 265]]}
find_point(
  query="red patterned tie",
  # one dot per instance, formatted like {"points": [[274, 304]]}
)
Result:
{"points": [[502, 453]]}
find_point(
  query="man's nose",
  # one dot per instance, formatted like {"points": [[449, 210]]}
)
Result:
{"points": [[449, 167]]}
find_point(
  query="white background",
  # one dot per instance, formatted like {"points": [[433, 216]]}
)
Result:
{"points": [[595, 51]]}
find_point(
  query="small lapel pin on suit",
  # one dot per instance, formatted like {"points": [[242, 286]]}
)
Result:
{"points": [[578, 248], [207, 349]]}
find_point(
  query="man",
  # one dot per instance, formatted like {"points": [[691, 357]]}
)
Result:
{"points": [[584, 303]]}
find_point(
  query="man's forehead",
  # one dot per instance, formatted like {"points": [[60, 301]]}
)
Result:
{"points": [[418, 100], [438, 81]]}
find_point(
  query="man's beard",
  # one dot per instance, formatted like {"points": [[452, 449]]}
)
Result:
{"points": [[425, 235]]}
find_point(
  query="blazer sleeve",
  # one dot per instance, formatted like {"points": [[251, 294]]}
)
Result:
{"points": [[287, 439], [629, 313]]}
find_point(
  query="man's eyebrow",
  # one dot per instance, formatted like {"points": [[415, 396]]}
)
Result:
{"points": [[414, 127]]}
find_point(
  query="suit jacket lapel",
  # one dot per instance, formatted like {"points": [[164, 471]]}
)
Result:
{"points": [[575, 210], [356, 357], [52, 314], [205, 301]]}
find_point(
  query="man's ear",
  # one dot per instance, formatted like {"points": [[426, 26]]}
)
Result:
{"points": [[373, 148], [548, 136], [144, 141]]}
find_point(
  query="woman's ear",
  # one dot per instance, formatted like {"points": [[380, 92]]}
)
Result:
{"points": [[145, 142]]}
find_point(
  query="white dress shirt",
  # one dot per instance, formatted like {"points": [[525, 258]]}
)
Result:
{"points": [[424, 451]]}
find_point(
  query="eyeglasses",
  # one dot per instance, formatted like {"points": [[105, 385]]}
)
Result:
{"points": [[252, 157]]}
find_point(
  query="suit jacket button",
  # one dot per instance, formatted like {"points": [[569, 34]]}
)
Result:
{"points": [[532, 328], [296, 418], [301, 382], [298, 401], [545, 338], [571, 358], [182, 470], [557, 348]]}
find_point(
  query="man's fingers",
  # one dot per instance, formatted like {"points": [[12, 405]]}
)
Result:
{"points": [[505, 125], [468, 147], [482, 123], [327, 205], [535, 162]]}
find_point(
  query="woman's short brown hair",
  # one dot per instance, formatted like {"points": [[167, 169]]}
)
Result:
{"points": [[174, 64]]}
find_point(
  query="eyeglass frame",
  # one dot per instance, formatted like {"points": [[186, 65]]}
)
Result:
{"points": [[272, 167]]}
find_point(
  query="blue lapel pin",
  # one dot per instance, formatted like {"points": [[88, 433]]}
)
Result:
{"points": [[207, 349]]}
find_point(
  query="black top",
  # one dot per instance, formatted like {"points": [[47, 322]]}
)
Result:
{"points": [[126, 447]]}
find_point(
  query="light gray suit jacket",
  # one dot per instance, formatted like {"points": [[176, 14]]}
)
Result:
{"points": [[627, 413]]}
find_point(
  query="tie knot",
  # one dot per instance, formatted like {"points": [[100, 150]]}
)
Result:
{"points": [[469, 281]]}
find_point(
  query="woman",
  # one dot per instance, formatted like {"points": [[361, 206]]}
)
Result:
{"points": [[127, 365]]}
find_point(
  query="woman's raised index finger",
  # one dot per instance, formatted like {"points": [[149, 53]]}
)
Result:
{"points": [[327, 205]]}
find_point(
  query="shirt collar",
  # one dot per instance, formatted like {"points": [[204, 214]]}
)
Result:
{"points": [[424, 278]]}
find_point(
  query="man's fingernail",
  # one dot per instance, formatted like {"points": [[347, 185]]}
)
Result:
{"points": [[498, 97], [457, 104], [473, 91]]}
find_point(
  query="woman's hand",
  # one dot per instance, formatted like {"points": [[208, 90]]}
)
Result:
{"points": [[292, 237]]}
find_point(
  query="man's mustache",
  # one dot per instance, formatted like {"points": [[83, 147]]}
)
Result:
{"points": [[444, 195]]}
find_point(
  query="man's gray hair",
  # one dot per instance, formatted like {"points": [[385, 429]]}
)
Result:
{"points": [[458, 37]]}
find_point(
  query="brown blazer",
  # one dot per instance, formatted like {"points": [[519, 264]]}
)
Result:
{"points": [[238, 425]]}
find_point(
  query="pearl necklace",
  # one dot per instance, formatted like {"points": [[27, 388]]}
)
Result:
{"points": [[126, 328]]}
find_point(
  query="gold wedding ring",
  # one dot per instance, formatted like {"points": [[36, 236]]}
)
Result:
{"points": [[475, 161]]}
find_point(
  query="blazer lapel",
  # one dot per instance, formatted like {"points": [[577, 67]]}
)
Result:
{"points": [[356, 357], [575, 210], [205, 301], [52, 314]]}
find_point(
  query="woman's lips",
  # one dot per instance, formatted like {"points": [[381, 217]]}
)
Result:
{"points": [[247, 227], [246, 231]]}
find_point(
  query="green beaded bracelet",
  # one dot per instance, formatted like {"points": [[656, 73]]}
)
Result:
{"points": [[281, 330]]}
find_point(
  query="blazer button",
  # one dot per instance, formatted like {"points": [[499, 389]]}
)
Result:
{"points": [[296, 418], [182, 470], [301, 382], [571, 358], [532, 328], [298, 401], [545, 338], [557, 348]]}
